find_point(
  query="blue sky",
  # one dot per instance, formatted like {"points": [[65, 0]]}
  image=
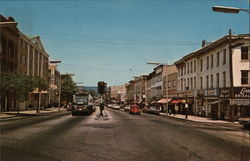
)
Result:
{"points": [[112, 40]]}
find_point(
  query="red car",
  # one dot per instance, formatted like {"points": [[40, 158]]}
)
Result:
{"points": [[135, 109]]}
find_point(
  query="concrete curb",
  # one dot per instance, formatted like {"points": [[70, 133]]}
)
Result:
{"points": [[27, 115], [196, 121]]}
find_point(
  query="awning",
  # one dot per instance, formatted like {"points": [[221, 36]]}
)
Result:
{"points": [[214, 102], [164, 100], [178, 101]]}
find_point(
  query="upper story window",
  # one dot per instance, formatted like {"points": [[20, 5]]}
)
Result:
{"points": [[181, 70], [201, 63], [191, 67], [207, 82], [224, 56], [191, 81], [212, 81], [217, 80], [207, 62], [218, 59], [224, 79], [201, 83], [244, 53], [194, 65], [244, 77], [173, 83], [194, 82], [187, 68], [184, 68], [212, 61]]}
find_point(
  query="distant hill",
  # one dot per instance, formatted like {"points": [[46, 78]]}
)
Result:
{"points": [[91, 89]]}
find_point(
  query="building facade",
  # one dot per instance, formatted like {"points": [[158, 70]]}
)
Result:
{"points": [[118, 93], [33, 61], [213, 78], [130, 92], [9, 35]]}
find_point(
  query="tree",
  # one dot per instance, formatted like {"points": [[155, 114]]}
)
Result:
{"points": [[19, 86], [68, 88]]}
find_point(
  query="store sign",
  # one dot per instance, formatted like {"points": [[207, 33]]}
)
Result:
{"points": [[212, 92], [225, 92], [242, 92], [243, 102]]}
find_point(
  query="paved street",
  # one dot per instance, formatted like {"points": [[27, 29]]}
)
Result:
{"points": [[61, 137]]}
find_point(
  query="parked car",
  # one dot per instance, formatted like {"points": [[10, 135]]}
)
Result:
{"points": [[245, 121], [145, 109], [135, 109], [109, 105], [154, 110], [116, 107], [127, 108]]}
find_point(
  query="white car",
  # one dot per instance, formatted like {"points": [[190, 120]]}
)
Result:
{"points": [[116, 107], [127, 108]]}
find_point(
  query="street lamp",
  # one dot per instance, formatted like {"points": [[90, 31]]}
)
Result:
{"points": [[225, 9]]}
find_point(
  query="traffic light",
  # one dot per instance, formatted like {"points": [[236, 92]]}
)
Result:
{"points": [[102, 87]]}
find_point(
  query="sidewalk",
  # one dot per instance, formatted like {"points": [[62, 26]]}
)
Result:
{"points": [[13, 114], [197, 118]]}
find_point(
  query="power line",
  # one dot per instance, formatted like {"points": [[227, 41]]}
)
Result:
{"points": [[120, 42]]}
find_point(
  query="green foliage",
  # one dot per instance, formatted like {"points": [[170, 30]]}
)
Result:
{"points": [[21, 85], [68, 89]]}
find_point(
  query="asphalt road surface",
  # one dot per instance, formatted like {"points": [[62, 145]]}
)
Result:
{"points": [[121, 137]]}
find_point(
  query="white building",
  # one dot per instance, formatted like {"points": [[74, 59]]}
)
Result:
{"points": [[204, 78]]}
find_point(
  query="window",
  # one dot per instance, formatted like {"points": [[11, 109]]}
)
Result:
{"points": [[212, 81], [217, 80], [194, 82], [224, 56], [184, 68], [212, 61], [224, 79], [207, 82], [181, 84], [184, 83], [194, 65], [207, 62], [201, 64], [187, 68], [244, 77], [173, 83], [188, 83], [169, 84], [201, 82], [181, 70], [218, 59], [191, 79], [191, 67], [244, 53]]}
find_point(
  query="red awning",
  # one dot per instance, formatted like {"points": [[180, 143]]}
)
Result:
{"points": [[164, 100], [178, 101]]}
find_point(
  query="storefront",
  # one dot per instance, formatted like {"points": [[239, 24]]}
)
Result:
{"points": [[241, 102]]}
